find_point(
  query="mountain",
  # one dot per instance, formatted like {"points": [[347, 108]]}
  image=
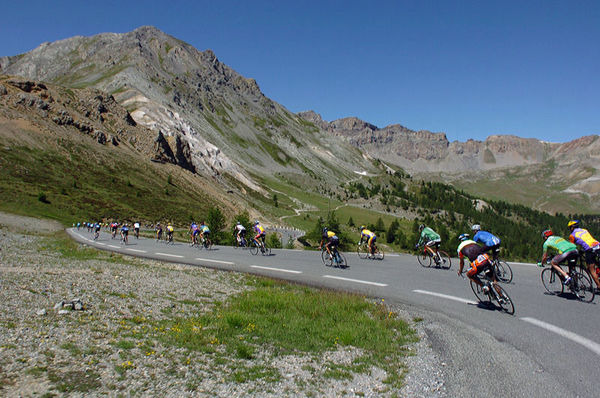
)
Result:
{"points": [[234, 133], [549, 176]]}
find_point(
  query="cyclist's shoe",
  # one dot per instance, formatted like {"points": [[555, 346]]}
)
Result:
{"points": [[567, 281], [486, 289]]}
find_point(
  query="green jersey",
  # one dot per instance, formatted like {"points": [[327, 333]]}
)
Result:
{"points": [[428, 234], [559, 244]]}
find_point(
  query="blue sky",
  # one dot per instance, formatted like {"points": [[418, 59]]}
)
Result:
{"points": [[467, 68]]}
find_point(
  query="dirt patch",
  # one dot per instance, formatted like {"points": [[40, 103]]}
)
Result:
{"points": [[30, 225]]}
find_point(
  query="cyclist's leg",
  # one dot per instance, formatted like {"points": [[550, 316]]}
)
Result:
{"points": [[555, 264], [591, 260]]}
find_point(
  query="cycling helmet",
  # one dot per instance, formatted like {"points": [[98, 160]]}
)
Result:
{"points": [[462, 237], [362, 227], [573, 224], [476, 227], [256, 222], [547, 233], [238, 223], [421, 227], [324, 230]]}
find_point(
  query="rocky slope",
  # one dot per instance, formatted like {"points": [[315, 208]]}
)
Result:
{"points": [[570, 168], [193, 99]]}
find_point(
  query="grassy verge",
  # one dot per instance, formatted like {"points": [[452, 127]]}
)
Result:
{"points": [[287, 320]]}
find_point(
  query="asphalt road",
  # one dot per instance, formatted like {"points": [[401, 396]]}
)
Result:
{"points": [[549, 347]]}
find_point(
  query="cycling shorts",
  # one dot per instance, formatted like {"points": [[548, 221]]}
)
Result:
{"points": [[435, 242], [195, 232], [566, 256], [479, 264], [372, 240], [591, 256], [334, 241]]}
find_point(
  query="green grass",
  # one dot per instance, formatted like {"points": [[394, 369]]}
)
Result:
{"points": [[293, 319], [99, 189]]}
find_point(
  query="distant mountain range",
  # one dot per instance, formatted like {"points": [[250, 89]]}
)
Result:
{"points": [[203, 116]]}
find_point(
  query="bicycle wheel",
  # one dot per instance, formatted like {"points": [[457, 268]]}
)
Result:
{"points": [[208, 244], [379, 254], [479, 293], [552, 281], [342, 260], [582, 287], [253, 248], [424, 259], [446, 262], [504, 300], [362, 251], [503, 271], [326, 258]]}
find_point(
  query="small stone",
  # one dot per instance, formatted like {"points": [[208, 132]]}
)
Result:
{"points": [[59, 305], [63, 312], [41, 312]]}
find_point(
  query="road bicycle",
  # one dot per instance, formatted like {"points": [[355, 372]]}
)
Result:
{"points": [[581, 284], [335, 259], [169, 238], [239, 241], [441, 259], [259, 246], [503, 271], [491, 293], [205, 243], [363, 251]]}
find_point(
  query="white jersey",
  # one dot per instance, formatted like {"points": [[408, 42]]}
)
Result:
{"points": [[240, 228], [136, 225]]}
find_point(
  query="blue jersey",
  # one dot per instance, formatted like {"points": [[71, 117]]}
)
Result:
{"points": [[486, 238]]}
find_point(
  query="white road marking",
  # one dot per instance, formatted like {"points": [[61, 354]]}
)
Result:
{"points": [[355, 280], [101, 244], [114, 247], [587, 343], [445, 296], [276, 269], [168, 255], [216, 261], [136, 250]]}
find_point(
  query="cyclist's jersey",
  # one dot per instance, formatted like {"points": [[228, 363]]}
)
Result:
{"points": [[559, 244], [486, 238], [97, 226], [366, 234], [169, 229], [193, 227], [136, 225], [428, 234], [125, 230], [469, 249], [204, 229], [583, 238], [240, 228], [259, 229]]}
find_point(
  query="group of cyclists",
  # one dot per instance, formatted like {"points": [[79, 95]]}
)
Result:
{"points": [[481, 249]]}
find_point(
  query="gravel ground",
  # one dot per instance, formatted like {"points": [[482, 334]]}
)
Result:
{"points": [[81, 353]]}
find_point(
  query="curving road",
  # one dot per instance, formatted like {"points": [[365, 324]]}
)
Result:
{"points": [[550, 347]]}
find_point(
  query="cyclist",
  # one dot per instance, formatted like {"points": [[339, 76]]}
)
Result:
{"points": [[170, 230], [567, 251], [159, 231], [260, 233], [204, 231], [136, 228], [331, 241], [113, 228], [491, 243], [370, 237], [194, 231], [430, 239], [591, 247], [97, 230], [124, 233], [240, 233], [478, 258]]}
